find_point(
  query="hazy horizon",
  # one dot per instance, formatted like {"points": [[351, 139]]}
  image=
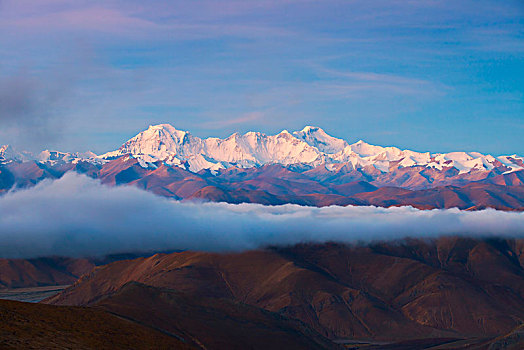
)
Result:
{"points": [[435, 76]]}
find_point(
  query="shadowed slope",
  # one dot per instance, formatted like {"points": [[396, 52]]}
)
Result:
{"points": [[37, 326], [17, 273], [415, 289], [274, 184], [213, 323]]}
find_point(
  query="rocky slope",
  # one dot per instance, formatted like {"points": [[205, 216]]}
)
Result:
{"points": [[448, 288]]}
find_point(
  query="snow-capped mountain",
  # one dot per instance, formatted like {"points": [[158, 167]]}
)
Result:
{"points": [[174, 147], [309, 148], [316, 137], [306, 167], [48, 156], [8, 154]]}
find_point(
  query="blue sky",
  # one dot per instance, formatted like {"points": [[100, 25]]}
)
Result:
{"points": [[424, 75]]}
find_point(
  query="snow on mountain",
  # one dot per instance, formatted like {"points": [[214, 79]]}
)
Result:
{"points": [[306, 149], [310, 146], [257, 149], [174, 147], [53, 157], [316, 137], [160, 142], [8, 154]]}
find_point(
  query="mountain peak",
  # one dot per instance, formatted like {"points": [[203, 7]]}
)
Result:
{"points": [[318, 138], [364, 149], [160, 126], [311, 146], [166, 128], [158, 142], [233, 136], [3, 148], [311, 129], [9, 153]]}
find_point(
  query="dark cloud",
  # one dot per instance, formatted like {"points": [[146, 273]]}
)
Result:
{"points": [[28, 110], [77, 216]]}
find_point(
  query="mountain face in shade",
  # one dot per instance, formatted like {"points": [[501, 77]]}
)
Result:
{"points": [[307, 167], [446, 288], [449, 293], [37, 326]]}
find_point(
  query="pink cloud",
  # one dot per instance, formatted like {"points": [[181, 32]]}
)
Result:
{"points": [[248, 117], [92, 19]]}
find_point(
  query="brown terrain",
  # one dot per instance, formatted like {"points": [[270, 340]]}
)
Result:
{"points": [[52, 271], [23, 273], [448, 293], [143, 317], [273, 184], [38, 326]]}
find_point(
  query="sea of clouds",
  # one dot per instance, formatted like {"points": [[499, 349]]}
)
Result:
{"points": [[78, 216]]}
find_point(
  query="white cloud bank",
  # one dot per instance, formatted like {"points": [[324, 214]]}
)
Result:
{"points": [[77, 216]]}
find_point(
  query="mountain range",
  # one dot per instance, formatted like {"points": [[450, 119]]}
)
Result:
{"points": [[442, 293], [307, 167]]}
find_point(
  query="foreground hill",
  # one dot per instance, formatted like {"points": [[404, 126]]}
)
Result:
{"points": [[128, 324], [51, 271], [37, 326], [212, 323], [22, 273], [449, 288], [143, 317]]}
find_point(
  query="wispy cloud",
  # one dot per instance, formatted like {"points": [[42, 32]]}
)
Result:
{"points": [[225, 122], [134, 22], [29, 109], [90, 19]]}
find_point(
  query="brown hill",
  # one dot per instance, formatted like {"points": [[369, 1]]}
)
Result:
{"points": [[212, 323], [512, 179], [21, 273], [271, 184], [120, 171], [351, 188], [415, 289], [474, 195], [145, 317], [28, 173], [38, 326], [52, 271], [514, 340]]}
